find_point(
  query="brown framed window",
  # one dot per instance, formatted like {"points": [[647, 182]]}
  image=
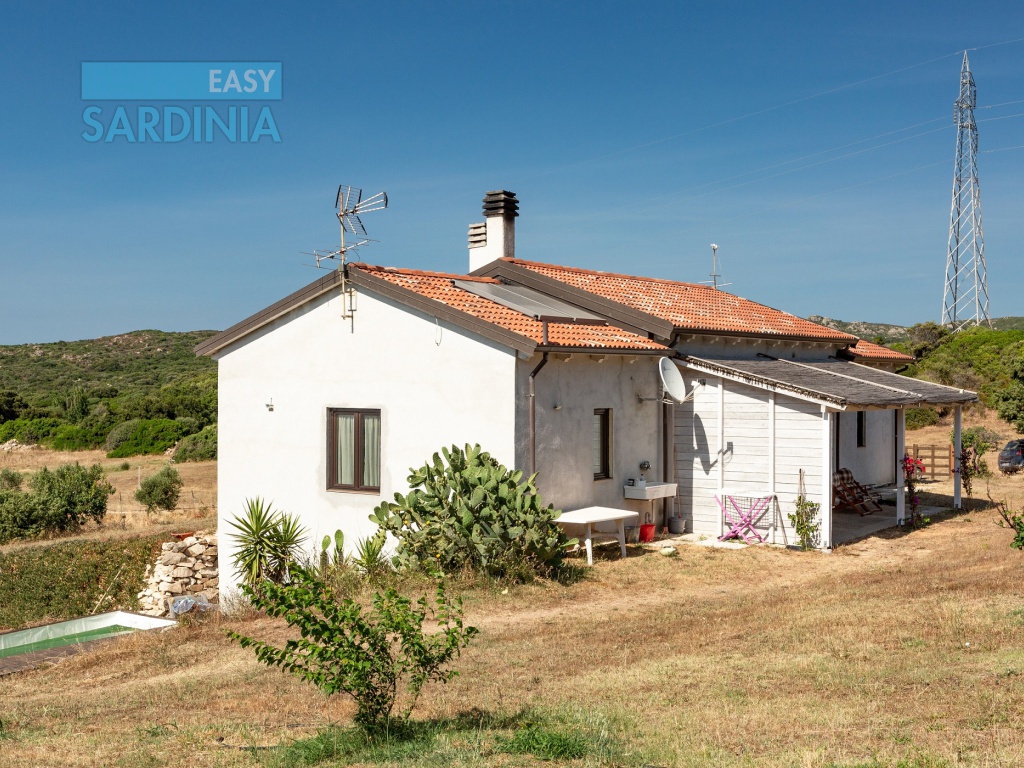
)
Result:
{"points": [[353, 449], [602, 443], [862, 436]]}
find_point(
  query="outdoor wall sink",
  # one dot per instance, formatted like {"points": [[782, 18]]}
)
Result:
{"points": [[649, 491]]}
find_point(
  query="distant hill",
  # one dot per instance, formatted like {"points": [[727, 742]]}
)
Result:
{"points": [[864, 330], [898, 333], [140, 361]]}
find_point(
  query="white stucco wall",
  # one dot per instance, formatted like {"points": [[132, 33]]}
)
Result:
{"points": [[565, 436], [434, 384], [875, 463]]}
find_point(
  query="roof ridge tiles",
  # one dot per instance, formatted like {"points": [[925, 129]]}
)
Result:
{"points": [[603, 273], [420, 272]]}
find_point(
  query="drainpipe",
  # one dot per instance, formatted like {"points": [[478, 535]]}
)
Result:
{"points": [[533, 407], [668, 469]]}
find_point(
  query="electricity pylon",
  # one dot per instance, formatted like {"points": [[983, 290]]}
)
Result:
{"points": [[965, 299]]}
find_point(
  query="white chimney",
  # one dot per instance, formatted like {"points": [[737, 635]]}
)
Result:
{"points": [[495, 237]]}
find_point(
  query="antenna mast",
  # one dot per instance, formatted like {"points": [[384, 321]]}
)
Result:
{"points": [[965, 297], [715, 274], [349, 204]]}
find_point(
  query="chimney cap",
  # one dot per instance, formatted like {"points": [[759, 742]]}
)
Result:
{"points": [[501, 202]]}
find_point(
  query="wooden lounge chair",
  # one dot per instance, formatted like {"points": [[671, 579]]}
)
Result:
{"points": [[847, 493]]}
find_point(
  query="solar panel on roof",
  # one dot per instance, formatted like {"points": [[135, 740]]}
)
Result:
{"points": [[530, 302]]}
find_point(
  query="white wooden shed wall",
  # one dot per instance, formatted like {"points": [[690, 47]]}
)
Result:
{"points": [[745, 442]]}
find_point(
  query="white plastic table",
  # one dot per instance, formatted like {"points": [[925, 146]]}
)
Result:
{"points": [[586, 518]]}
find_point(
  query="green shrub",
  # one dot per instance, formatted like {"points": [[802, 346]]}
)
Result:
{"points": [[468, 510], [119, 435], [11, 405], [202, 446], [73, 406], [148, 436], [77, 437], [979, 438], [1009, 403], [367, 654], [66, 580], [70, 495], [28, 431], [19, 516], [10, 480], [160, 491], [267, 542], [917, 418]]}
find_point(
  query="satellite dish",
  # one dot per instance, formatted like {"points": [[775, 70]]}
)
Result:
{"points": [[675, 387]]}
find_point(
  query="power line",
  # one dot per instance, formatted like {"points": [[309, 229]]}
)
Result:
{"points": [[765, 110]]}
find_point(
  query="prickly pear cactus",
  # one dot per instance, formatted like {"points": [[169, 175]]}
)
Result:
{"points": [[466, 510]]}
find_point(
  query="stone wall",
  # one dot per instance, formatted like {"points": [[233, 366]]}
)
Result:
{"points": [[187, 567]]}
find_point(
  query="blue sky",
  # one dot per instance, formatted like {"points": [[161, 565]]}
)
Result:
{"points": [[812, 141]]}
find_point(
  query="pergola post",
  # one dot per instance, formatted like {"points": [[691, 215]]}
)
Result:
{"points": [[901, 452], [826, 479], [957, 447]]}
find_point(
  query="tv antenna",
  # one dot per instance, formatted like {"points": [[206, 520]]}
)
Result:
{"points": [[715, 274], [349, 204]]}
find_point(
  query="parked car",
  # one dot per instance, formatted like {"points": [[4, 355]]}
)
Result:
{"points": [[1011, 458]]}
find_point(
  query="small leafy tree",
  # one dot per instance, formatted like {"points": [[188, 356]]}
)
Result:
{"points": [[366, 654], [466, 510], [268, 543], [804, 519], [1013, 520], [70, 495], [160, 490]]}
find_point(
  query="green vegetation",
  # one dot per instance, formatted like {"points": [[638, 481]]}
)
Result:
{"points": [[139, 363], [366, 654], [72, 395], [546, 743], [144, 436], [160, 491], [804, 519], [468, 511], [202, 446], [268, 543], [918, 418], [1013, 520], [67, 580], [979, 359], [472, 738], [57, 501]]}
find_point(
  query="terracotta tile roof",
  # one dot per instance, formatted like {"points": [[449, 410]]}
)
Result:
{"points": [[868, 350], [688, 306], [441, 287]]}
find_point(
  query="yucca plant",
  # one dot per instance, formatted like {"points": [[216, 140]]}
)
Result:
{"points": [[369, 556], [268, 541]]}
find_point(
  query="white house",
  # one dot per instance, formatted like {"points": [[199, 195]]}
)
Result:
{"points": [[330, 396]]}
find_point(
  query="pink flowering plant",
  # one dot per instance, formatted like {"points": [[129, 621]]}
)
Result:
{"points": [[913, 470]]}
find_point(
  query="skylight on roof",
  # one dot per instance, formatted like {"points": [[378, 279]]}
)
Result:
{"points": [[529, 302]]}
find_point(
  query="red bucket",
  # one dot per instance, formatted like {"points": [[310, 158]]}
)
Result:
{"points": [[647, 533]]}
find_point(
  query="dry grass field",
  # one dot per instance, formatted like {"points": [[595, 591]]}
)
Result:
{"points": [[903, 649], [197, 506]]}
